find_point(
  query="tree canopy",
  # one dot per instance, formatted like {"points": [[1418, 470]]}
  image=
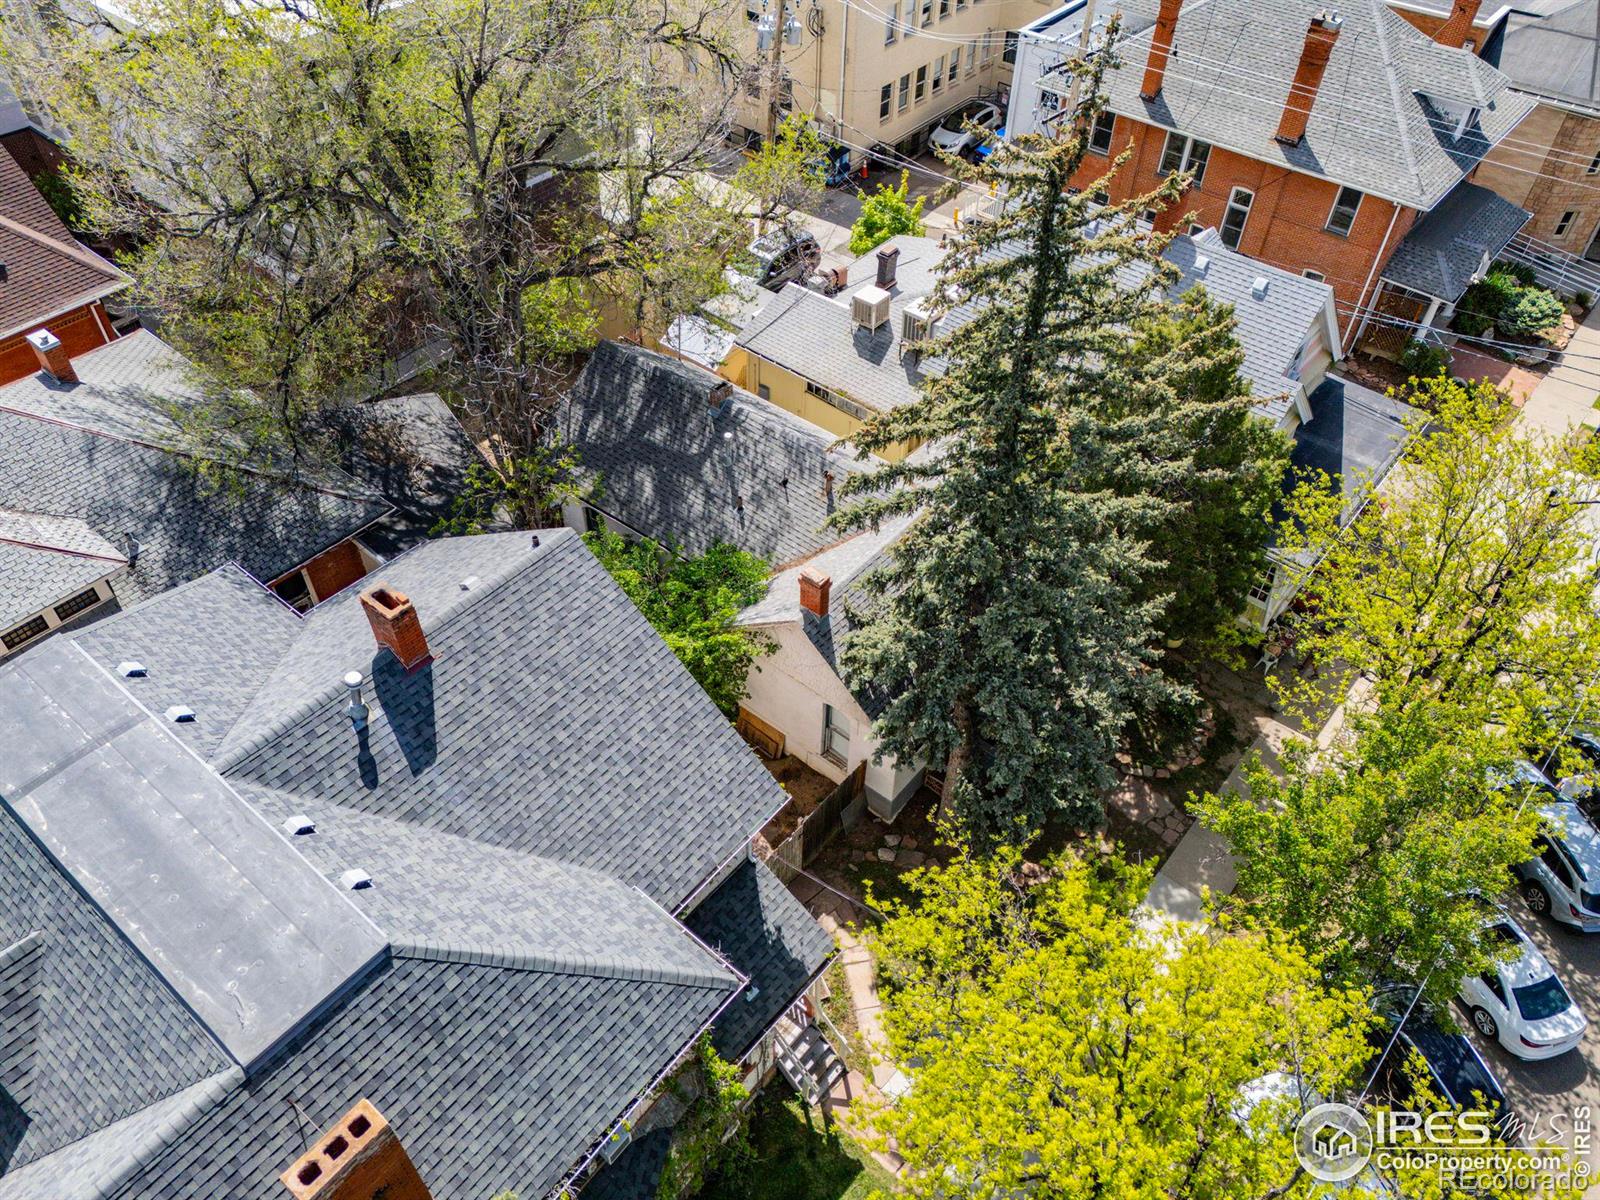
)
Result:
{"points": [[691, 602], [886, 213]]}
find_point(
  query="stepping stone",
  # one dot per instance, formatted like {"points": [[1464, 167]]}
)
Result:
{"points": [[885, 854], [912, 858], [908, 843], [891, 839]]}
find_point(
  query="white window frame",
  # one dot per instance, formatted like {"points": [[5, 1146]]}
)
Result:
{"points": [[1261, 590], [919, 91], [972, 57], [905, 92], [938, 74], [892, 23], [1235, 204], [955, 65], [1109, 130], [885, 101], [1186, 158], [832, 733], [927, 13], [1594, 165], [1355, 212]]}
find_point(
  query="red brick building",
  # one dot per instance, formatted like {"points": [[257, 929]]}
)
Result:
{"points": [[1319, 142], [47, 279]]}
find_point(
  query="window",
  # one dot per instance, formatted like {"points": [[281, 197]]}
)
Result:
{"points": [[988, 47], [1261, 591], [922, 82], [955, 63], [944, 9], [25, 632], [764, 391], [1101, 197], [837, 400], [905, 91], [1010, 54], [1345, 206], [1491, 981], [892, 22], [835, 736], [68, 609], [1195, 230], [960, 4], [1184, 154], [1594, 164], [1566, 222], [885, 95], [938, 75], [927, 12], [1238, 212], [1100, 136], [1049, 103], [1554, 860], [972, 56], [1317, 275]]}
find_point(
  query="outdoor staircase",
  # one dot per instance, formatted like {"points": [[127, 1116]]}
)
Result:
{"points": [[806, 1058]]}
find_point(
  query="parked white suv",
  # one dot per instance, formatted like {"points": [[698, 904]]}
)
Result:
{"points": [[952, 134], [1563, 880], [1520, 1003]]}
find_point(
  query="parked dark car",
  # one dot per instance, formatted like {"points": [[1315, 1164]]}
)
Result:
{"points": [[1457, 1071], [784, 255]]}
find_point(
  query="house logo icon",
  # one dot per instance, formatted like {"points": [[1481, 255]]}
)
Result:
{"points": [[1333, 1142]]}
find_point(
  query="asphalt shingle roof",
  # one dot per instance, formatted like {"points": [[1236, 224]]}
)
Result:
{"points": [[759, 926], [47, 271], [528, 807], [672, 468], [1372, 126], [47, 556], [813, 336], [1445, 249], [93, 451]]}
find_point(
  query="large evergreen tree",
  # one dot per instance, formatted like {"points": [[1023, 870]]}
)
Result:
{"points": [[1016, 631]]}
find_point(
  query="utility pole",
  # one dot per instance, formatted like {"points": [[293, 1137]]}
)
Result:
{"points": [[775, 73], [1083, 53]]}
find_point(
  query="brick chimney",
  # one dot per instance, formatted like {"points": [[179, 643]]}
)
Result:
{"points": [[887, 261], [396, 625], [717, 395], [53, 357], [1455, 30], [814, 589], [1155, 68], [360, 1158], [1320, 37]]}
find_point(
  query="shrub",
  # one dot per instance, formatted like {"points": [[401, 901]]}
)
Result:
{"points": [[885, 213], [1471, 323], [1583, 299], [1521, 272], [1422, 361], [1532, 309]]}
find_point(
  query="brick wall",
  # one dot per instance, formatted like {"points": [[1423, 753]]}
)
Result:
{"points": [[335, 569], [80, 331], [1545, 169], [1430, 23], [1288, 215]]}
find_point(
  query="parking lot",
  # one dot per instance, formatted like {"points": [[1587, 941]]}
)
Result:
{"points": [[1550, 1095]]}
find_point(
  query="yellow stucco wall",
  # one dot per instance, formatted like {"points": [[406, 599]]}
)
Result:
{"points": [[788, 391]]}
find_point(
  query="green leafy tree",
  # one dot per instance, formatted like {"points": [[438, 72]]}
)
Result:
{"points": [[313, 185], [528, 491], [712, 1136], [1017, 621], [1377, 856], [1063, 1050], [692, 602], [884, 214], [1466, 588], [1211, 544]]}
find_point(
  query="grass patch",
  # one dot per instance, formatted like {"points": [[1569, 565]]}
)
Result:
{"points": [[795, 1158]]}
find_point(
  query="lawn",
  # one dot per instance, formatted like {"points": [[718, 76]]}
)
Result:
{"points": [[796, 1159]]}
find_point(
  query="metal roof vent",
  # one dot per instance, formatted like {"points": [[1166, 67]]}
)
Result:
{"points": [[470, 582], [1202, 264], [751, 992], [356, 709], [129, 669], [180, 714], [1258, 287], [299, 825], [356, 879]]}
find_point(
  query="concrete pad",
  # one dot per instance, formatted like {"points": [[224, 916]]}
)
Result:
{"points": [[1202, 860]]}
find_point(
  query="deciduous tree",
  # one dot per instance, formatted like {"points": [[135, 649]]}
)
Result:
{"points": [[884, 214]]}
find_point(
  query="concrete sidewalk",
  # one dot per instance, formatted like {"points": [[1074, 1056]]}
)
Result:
{"points": [[1564, 400]]}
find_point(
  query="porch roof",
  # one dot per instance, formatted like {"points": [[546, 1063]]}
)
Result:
{"points": [[1447, 248]]}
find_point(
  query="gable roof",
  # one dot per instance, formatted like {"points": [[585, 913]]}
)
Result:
{"points": [[1376, 125], [528, 807], [44, 558], [1444, 251], [100, 452], [673, 468], [47, 271], [813, 335]]}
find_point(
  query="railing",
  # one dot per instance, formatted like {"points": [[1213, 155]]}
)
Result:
{"points": [[1554, 268]]}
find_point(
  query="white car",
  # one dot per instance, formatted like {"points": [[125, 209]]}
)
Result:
{"points": [[1520, 1003], [952, 134]]}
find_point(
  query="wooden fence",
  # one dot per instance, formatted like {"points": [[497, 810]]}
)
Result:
{"points": [[840, 809]]}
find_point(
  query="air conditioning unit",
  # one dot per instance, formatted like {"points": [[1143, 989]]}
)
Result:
{"points": [[869, 308], [917, 324]]}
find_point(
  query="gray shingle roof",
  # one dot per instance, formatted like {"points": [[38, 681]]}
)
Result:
{"points": [[1444, 250], [532, 988], [672, 468], [86, 451], [45, 558], [812, 335], [759, 926], [1371, 126]]}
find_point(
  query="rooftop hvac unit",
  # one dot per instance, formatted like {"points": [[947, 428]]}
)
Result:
{"points": [[916, 323], [869, 308]]}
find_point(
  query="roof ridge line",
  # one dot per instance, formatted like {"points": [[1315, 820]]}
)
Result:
{"points": [[26, 545], [1391, 72], [78, 254], [244, 751], [601, 967]]}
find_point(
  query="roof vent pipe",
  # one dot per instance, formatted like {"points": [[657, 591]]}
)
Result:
{"points": [[356, 709]]}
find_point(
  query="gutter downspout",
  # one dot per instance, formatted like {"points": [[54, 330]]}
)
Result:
{"points": [[1361, 301]]}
